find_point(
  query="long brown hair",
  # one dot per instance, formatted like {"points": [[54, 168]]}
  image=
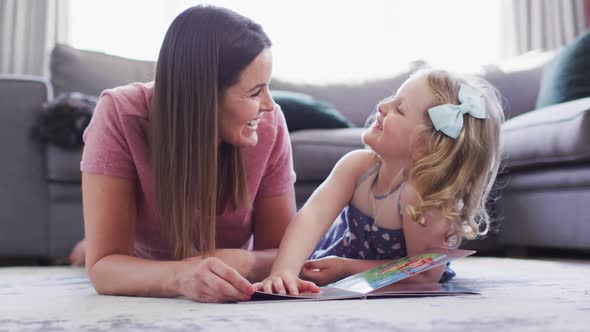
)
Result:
{"points": [[457, 175], [204, 52]]}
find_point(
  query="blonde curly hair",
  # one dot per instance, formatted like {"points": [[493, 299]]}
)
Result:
{"points": [[456, 175]]}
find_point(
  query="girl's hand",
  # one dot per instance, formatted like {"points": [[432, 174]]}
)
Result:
{"points": [[280, 283], [211, 280], [325, 270]]}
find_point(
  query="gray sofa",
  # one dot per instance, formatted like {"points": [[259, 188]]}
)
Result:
{"points": [[542, 200]]}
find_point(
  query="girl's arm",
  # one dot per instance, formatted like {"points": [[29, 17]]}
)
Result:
{"points": [[418, 239], [421, 238], [314, 219], [330, 269], [271, 217], [109, 222]]}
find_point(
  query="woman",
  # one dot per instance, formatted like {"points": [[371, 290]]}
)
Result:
{"points": [[188, 182]]}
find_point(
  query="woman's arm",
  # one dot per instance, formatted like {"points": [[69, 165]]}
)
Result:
{"points": [[109, 222]]}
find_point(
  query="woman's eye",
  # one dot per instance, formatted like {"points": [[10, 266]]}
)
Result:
{"points": [[256, 93], [399, 111]]}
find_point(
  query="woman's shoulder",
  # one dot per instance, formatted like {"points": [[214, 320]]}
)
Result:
{"points": [[130, 100]]}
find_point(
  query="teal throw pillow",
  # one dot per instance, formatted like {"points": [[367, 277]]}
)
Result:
{"points": [[302, 111], [567, 76]]}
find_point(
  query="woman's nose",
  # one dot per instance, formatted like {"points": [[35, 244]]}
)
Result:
{"points": [[268, 105]]}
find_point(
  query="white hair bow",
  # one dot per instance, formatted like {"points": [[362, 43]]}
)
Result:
{"points": [[448, 118]]}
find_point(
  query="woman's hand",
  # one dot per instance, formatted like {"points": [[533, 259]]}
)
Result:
{"points": [[78, 255], [243, 261], [211, 280], [325, 270], [280, 283]]}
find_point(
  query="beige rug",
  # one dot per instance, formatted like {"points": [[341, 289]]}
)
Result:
{"points": [[517, 295]]}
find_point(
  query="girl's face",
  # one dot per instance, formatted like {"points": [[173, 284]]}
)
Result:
{"points": [[399, 119], [244, 103]]}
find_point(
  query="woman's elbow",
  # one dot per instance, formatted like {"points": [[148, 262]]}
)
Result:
{"points": [[98, 280]]}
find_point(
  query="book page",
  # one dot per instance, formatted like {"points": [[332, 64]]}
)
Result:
{"points": [[369, 282], [394, 271]]}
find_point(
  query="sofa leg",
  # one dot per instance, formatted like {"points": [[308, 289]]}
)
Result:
{"points": [[517, 252]]}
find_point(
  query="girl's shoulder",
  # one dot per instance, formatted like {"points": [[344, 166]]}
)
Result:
{"points": [[358, 162], [409, 194], [434, 222]]}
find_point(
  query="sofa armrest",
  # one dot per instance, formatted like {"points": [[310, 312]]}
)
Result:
{"points": [[554, 135], [23, 189]]}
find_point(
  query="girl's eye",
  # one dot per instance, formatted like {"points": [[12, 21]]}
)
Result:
{"points": [[398, 110], [257, 93]]}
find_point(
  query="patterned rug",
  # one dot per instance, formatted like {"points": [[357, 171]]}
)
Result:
{"points": [[516, 295]]}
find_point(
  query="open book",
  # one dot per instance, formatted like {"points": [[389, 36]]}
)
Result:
{"points": [[381, 281]]}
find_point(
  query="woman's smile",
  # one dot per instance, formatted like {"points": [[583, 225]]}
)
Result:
{"points": [[253, 124]]}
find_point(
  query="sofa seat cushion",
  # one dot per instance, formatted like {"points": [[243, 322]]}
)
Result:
{"points": [[554, 135], [63, 165], [316, 151]]}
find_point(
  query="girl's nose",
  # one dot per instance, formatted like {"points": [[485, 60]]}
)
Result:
{"points": [[383, 109]]}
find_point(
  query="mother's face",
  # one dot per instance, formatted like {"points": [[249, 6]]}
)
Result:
{"points": [[243, 103]]}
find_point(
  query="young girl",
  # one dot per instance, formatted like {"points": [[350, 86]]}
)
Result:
{"points": [[434, 153]]}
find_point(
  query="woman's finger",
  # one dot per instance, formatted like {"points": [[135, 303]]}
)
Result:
{"points": [[212, 287], [221, 290], [230, 275]]}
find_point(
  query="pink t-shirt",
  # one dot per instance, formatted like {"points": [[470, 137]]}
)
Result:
{"points": [[116, 145]]}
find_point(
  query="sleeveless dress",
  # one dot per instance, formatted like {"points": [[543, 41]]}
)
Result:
{"points": [[355, 235]]}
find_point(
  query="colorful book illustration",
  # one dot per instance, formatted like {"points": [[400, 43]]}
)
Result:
{"points": [[381, 281]]}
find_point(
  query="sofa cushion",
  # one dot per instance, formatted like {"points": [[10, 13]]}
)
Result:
{"points": [[518, 80], [90, 72], [302, 111], [63, 165], [558, 134], [316, 151], [355, 100], [567, 77]]}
